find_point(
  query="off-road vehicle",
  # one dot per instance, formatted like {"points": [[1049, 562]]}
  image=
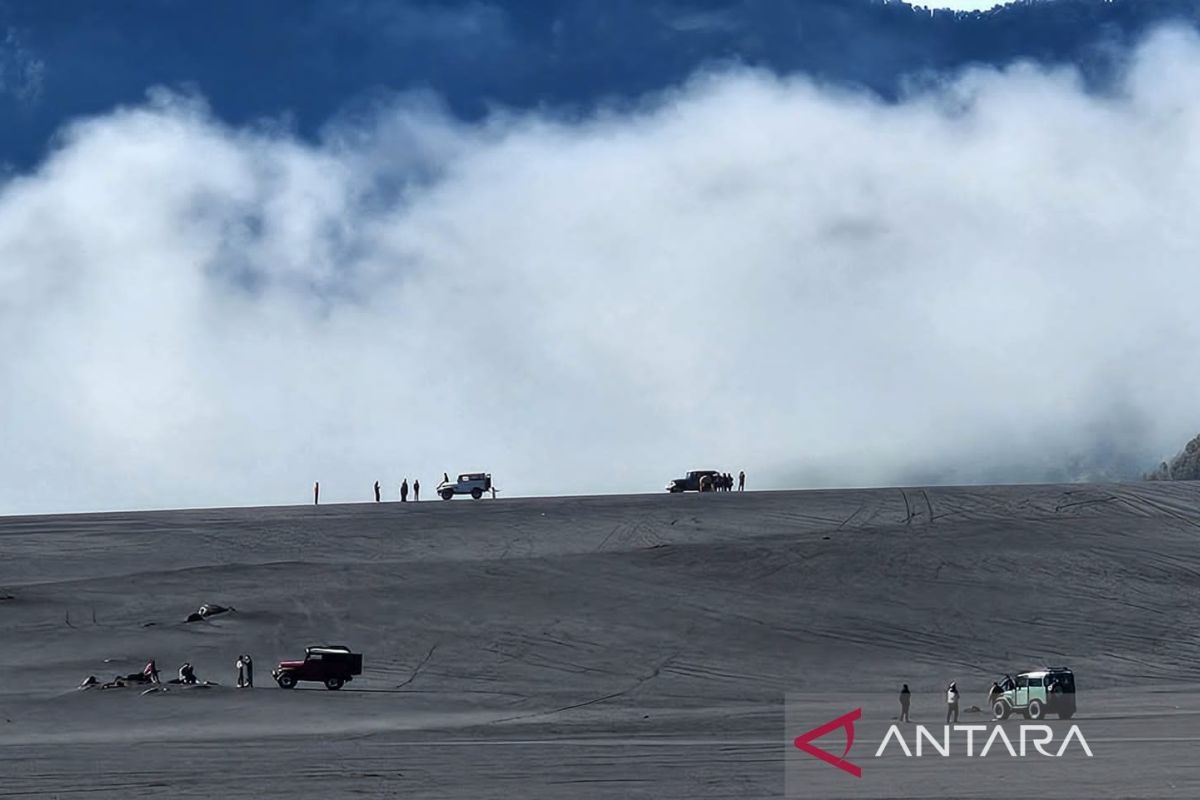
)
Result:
{"points": [[691, 481], [1035, 694], [331, 665], [472, 483]]}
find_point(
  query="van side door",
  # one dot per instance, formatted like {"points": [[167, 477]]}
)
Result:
{"points": [[1022, 692]]}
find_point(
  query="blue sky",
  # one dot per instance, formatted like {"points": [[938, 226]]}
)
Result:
{"points": [[304, 62], [589, 245]]}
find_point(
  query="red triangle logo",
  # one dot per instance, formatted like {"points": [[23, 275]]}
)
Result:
{"points": [[804, 742]]}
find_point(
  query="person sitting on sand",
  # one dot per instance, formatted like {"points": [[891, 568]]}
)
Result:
{"points": [[187, 673], [151, 671]]}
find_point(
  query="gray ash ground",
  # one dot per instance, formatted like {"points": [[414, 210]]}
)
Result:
{"points": [[624, 647]]}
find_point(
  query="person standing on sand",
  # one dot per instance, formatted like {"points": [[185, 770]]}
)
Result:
{"points": [[317, 493], [952, 702], [376, 491], [416, 490], [905, 698], [248, 663], [742, 481], [241, 672], [404, 491]]}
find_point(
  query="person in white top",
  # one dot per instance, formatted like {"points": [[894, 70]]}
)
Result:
{"points": [[952, 702]]}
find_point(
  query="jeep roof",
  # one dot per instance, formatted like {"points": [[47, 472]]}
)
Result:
{"points": [[1038, 673], [329, 649]]}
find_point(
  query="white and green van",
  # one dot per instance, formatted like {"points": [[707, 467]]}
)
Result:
{"points": [[1035, 694]]}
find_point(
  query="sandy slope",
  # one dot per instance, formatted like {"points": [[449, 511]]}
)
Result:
{"points": [[608, 646]]}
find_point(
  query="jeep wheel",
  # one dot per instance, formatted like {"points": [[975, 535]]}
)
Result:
{"points": [[1036, 710], [447, 494], [476, 493], [286, 681], [333, 683], [1000, 710]]}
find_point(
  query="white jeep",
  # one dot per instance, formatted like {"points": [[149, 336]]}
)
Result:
{"points": [[472, 483], [1035, 694]]}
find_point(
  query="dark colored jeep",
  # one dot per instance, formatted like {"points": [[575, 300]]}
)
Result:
{"points": [[691, 482], [331, 665]]}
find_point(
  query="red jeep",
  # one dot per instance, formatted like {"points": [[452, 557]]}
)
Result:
{"points": [[331, 665]]}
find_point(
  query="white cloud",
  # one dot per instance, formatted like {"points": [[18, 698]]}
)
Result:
{"points": [[960, 5], [749, 272]]}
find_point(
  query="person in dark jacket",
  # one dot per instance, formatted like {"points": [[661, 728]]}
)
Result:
{"points": [[416, 490], [376, 491], [404, 491], [905, 699]]}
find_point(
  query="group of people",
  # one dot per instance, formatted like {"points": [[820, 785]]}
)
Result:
{"points": [[722, 482], [245, 671], [404, 490], [187, 674], [952, 698], [186, 677]]}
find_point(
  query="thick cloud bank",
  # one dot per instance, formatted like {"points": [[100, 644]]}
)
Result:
{"points": [[994, 280]]}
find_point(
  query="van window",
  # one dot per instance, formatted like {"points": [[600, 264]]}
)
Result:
{"points": [[1022, 681], [1035, 681]]}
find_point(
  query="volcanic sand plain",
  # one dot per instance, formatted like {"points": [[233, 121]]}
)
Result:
{"points": [[645, 646]]}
